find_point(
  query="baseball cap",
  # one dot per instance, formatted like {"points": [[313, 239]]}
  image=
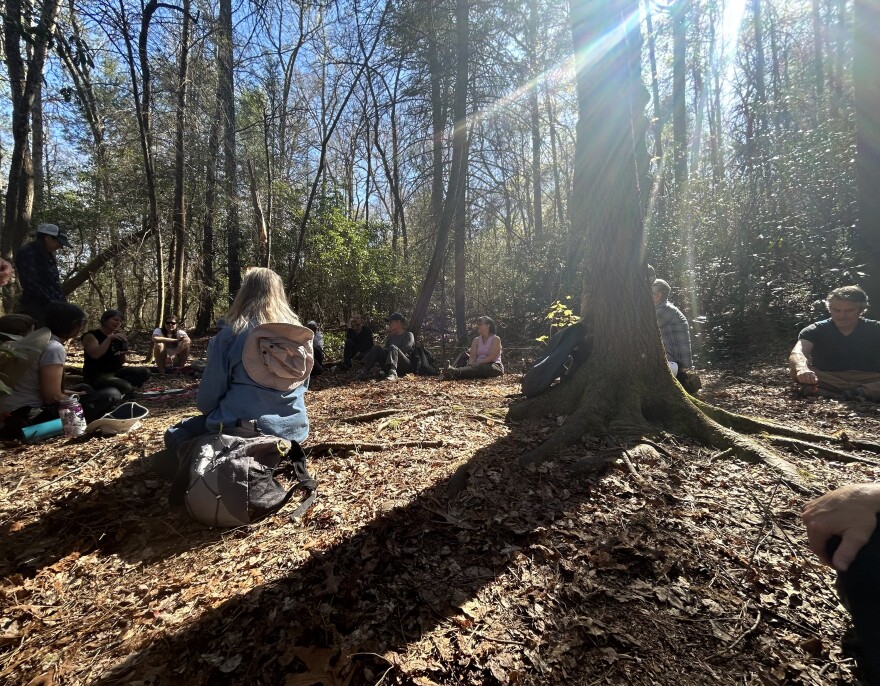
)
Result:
{"points": [[55, 232], [396, 317]]}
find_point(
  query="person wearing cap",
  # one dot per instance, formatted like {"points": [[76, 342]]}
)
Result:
{"points": [[674, 329], [393, 354], [170, 344], [105, 351], [839, 355], [258, 368], [38, 271], [317, 347], [358, 340], [484, 359]]}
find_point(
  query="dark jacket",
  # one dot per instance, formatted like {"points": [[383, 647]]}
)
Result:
{"points": [[38, 275]]}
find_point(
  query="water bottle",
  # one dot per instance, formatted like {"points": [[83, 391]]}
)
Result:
{"points": [[72, 418]]}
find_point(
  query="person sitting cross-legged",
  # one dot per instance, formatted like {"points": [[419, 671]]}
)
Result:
{"points": [[674, 329], [393, 354], [358, 341], [483, 361], [36, 395], [105, 350], [258, 368], [170, 344], [839, 355]]}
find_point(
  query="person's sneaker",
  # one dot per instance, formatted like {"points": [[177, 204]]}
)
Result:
{"points": [[391, 376], [363, 375]]}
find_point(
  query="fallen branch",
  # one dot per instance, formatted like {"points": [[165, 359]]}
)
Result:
{"points": [[370, 416], [331, 446]]}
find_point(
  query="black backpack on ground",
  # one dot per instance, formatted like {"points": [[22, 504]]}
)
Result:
{"points": [[228, 479], [565, 344], [422, 362]]}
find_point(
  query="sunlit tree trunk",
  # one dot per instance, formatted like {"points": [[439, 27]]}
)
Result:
{"points": [[679, 12]]}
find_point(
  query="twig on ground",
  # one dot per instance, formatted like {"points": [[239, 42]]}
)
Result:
{"points": [[370, 416], [76, 469], [739, 638]]}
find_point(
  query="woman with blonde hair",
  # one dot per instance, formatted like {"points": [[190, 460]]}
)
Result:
{"points": [[258, 367]]}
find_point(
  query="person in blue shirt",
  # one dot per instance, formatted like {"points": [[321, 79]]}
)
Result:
{"points": [[258, 368]]}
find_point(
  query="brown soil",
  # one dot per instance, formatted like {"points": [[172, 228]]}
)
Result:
{"points": [[685, 569]]}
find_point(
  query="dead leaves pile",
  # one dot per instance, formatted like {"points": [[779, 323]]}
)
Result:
{"points": [[677, 569]]}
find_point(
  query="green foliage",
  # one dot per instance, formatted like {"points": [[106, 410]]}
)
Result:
{"points": [[560, 315]]}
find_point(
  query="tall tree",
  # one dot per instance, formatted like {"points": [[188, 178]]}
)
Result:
{"points": [[679, 11], [458, 167], [178, 211], [226, 98], [624, 388], [25, 49]]}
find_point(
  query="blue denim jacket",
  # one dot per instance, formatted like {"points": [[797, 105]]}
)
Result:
{"points": [[227, 393]]}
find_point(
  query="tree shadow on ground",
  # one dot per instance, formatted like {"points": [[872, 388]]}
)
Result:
{"points": [[348, 613], [128, 517]]}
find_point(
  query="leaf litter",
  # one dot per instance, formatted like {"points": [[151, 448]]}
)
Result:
{"points": [[437, 560]]}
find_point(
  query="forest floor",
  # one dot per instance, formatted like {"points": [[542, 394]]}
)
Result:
{"points": [[689, 569]]}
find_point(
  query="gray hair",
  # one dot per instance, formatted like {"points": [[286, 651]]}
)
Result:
{"points": [[661, 287], [852, 294]]}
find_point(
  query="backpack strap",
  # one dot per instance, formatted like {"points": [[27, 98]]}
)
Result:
{"points": [[297, 459]]}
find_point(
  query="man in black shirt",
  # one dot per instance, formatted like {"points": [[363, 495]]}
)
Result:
{"points": [[358, 341], [840, 354]]}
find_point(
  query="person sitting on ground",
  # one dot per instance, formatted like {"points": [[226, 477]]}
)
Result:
{"points": [[393, 355], [358, 341], [170, 344], [317, 347], [674, 329], [484, 359], [258, 368], [104, 359], [36, 395], [843, 532], [839, 355], [13, 326], [38, 272]]}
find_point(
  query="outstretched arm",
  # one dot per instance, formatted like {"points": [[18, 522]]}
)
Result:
{"points": [[850, 513], [799, 363]]}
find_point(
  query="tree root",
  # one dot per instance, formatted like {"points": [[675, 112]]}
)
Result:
{"points": [[830, 454], [752, 425]]}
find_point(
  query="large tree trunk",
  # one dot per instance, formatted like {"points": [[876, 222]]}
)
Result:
{"points": [[867, 93], [206, 299]]}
